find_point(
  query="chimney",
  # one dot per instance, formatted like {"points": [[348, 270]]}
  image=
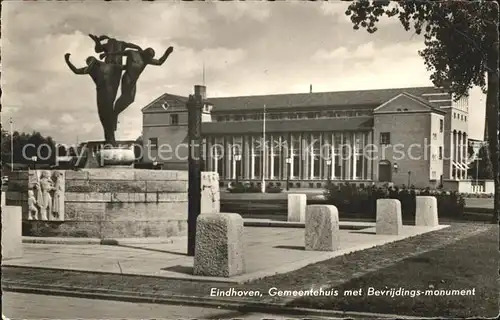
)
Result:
{"points": [[310, 88], [200, 90]]}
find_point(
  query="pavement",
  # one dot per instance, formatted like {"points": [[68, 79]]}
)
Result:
{"points": [[32, 306], [269, 251]]}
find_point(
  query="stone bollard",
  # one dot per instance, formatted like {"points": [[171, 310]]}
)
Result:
{"points": [[12, 239], [322, 228], [426, 213], [219, 249], [297, 207], [389, 219]]}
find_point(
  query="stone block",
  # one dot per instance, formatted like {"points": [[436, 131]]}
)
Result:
{"points": [[322, 232], [77, 175], [155, 175], [3, 198], [111, 174], [297, 207], [426, 213], [167, 186], [12, 240], [219, 250], [389, 219]]}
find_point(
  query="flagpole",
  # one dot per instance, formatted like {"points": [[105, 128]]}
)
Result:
{"points": [[11, 146], [263, 183]]}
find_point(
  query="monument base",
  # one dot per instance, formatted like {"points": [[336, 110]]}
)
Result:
{"points": [[118, 203]]}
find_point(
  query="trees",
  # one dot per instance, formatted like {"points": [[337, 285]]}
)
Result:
{"points": [[461, 51], [26, 145], [480, 168]]}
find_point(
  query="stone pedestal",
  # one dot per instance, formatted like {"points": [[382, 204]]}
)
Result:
{"points": [[322, 228], [426, 213], [12, 241], [112, 203], [116, 157], [297, 207], [389, 219], [219, 250]]}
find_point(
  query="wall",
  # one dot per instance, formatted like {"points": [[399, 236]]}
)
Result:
{"points": [[405, 129], [436, 140], [120, 203]]}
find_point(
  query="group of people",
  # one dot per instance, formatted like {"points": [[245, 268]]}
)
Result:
{"points": [[107, 75]]}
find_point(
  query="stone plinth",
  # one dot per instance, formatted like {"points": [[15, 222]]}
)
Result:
{"points": [[12, 246], [322, 231], [389, 219], [116, 157], [219, 249], [426, 213], [115, 203], [297, 207]]}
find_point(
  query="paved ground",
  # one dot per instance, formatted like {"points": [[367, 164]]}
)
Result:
{"points": [[269, 251], [30, 306]]}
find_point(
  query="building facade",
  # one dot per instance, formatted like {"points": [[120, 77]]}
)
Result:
{"points": [[407, 136]]}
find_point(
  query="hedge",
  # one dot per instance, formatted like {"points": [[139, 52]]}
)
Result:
{"points": [[251, 188], [352, 199]]}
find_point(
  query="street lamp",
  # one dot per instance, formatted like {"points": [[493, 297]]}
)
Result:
{"points": [[329, 164], [288, 169], [409, 178], [34, 159], [237, 158]]}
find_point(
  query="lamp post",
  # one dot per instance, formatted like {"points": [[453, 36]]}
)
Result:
{"points": [[237, 158], [409, 178], [329, 173], [288, 170], [11, 145], [34, 159]]}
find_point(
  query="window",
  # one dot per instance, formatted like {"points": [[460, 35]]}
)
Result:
{"points": [[441, 125], [174, 119], [434, 174], [295, 156], [434, 136], [440, 153], [465, 118], [316, 146], [385, 138], [153, 143]]}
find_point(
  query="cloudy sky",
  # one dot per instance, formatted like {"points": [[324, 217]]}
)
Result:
{"points": [[247, 48]]}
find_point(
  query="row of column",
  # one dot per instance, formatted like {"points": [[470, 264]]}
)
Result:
{"points": [[305, 156], [459, 156]]}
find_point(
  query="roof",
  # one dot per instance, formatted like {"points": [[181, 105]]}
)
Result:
{"points": [[419, 100], [276, 126], [327, 99], [372, 98]]}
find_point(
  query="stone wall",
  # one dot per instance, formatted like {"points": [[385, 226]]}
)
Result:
{"points": [[115, 203]]}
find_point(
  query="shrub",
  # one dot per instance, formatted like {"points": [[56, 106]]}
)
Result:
{"points": [[349, 198], [273, 189]]}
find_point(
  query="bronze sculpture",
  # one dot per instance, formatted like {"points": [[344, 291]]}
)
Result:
{"points": [[107, 75]]}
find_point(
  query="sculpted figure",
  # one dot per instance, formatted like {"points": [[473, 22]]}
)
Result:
{"points": [[135, 65], [58, 194], [44, 187], [32, 209], [106, 77], [111, 45]]}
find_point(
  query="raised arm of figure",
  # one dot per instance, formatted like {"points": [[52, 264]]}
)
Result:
{"points": [[159, 62], [72, 67]]}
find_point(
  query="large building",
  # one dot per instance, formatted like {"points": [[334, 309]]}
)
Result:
{"points": [[415, 136]]}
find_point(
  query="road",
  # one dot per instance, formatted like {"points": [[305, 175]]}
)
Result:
{"points": [[31, 306]]}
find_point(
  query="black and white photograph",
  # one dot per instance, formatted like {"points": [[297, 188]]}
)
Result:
{"points": [[250, 159]]}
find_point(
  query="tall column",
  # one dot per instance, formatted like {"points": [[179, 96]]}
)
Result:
{"points": [[465, 154], [354, 159], [246, 157], [452, 155], [194, 106], [332, 155]]}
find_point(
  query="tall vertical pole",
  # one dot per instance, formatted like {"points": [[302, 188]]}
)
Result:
{"points": [[11, 145], [194, 106], [264, 155]]}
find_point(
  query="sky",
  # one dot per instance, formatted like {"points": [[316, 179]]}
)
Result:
{"points": [[247, 48]]}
